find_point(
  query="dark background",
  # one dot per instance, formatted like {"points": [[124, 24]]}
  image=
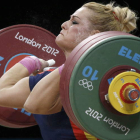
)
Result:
{"points": [[49, 14]]}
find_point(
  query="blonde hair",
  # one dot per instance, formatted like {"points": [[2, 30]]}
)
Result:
{"points": [[112, 18]]}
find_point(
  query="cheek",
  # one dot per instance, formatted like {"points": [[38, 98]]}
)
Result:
{"points": [[80, 34], [72, 38]]}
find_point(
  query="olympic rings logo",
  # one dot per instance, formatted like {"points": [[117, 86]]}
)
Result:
{"points": [[86, 84]]}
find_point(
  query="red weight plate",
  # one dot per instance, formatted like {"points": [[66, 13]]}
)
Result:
{"points": [[17, 42], [70, 64], [134, 94], [16, 118]]}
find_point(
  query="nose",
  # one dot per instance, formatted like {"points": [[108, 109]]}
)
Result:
{"points": [[64, 25]]}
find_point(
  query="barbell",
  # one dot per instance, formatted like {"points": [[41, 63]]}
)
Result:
{"points": [[99, 85]]}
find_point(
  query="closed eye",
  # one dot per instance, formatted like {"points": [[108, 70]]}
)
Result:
{"points": [[72, 19], [74, 22]]}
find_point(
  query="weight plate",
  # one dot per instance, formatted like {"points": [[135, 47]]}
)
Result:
{"points": [[71, 61], [84, 73], [17, 42], [116, 92], [105, 82]]}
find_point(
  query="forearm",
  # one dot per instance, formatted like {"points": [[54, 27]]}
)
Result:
{"points": [[14, 84], [13, 75], [14, 87], [24, 68]]}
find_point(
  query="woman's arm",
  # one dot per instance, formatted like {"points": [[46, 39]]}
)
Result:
{"points": [[14, 84], [45, 98], [14, 87], [15, 91]]}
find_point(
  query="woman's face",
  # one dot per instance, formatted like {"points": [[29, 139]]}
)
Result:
{"points": [[74, 30]]}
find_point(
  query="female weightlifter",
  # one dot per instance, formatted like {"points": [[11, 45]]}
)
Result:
{"points": [[40, 94]]}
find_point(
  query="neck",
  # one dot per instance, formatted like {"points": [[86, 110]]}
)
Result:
{"points": [[67, 54]]}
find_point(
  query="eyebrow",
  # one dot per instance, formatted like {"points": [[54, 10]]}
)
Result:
{"points": [[72, 16]]}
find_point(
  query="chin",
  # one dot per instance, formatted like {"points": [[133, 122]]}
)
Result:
{"points": [[58, 39], [59, 42]]}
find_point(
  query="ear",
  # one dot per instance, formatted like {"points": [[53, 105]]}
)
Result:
{"points": [[94, 32]]}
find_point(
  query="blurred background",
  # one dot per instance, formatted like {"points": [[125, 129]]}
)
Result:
{"points": [[50, 15]]}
